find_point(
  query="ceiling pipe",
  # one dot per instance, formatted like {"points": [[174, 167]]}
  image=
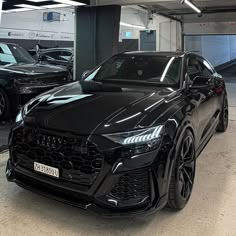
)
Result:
{"points": [[161, 14], [205, 11], [191, 5]]}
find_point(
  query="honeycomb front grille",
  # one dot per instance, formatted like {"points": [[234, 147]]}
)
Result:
{"points": [[77, 159], [132, 186]]}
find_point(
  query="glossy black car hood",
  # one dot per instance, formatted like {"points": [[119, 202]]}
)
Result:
{"points": [[69, 108], [30, 69]]}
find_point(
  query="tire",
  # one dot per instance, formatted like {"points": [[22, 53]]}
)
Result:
{"points": [[224, 116], [4, 105], [183, 173]]}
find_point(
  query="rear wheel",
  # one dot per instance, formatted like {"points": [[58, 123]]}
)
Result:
{"points": [[183, 173], [224, 116], [4, 105]]}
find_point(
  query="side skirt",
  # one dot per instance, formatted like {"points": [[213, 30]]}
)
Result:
{"points": [[208, 137]]}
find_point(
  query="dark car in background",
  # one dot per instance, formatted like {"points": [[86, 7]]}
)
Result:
{"points": [[57, 56], [125, 140], [22, 78]]}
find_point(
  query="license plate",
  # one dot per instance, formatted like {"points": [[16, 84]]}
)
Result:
{"points": [[47, 170]]}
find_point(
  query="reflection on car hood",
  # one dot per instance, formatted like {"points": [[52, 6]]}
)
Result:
{"points": [[31, 69], [69, 109]]}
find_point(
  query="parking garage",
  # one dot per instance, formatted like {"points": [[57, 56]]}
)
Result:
{"points": [[117, 117]]}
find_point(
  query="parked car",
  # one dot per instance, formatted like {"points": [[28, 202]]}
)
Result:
{"points": [[34, 52], [22, 78], [125, 140], [57, 56]]}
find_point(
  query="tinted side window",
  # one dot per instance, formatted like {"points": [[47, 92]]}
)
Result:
{"points": [[65, 56], [194, 68], [207, 68], [174, 71], [52, 55]]}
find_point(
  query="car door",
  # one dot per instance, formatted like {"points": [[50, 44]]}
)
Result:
{"points": [[217, 85], [203, 98]]}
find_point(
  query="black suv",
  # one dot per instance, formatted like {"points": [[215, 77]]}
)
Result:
{"points": [[125, 140]]}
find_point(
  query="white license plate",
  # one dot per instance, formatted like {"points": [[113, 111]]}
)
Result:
{"points": [[48, 170]]}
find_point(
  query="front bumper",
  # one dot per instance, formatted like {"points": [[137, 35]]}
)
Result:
{"points": [[69, 195], [123, 186]]}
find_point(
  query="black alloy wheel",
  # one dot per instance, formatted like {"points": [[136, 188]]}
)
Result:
{"points": [[183, 174], [224, 116], [3, 105]]}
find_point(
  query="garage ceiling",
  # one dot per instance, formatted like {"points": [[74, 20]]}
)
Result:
{"points": [[213, 10], [20, 5]]}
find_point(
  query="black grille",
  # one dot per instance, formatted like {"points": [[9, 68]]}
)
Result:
{"points": [[58, 79], [132, 186], [78, 160]]}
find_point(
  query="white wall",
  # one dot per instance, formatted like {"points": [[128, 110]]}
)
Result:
{"points": [[30, 25], [168, 32], [134, 17], [214, 40], [218, 49], [170, 36], [210, 28]]}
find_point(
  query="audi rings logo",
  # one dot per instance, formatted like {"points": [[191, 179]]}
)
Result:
{"points": [[49, 141]]}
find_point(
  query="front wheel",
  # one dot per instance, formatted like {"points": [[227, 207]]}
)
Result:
{"points": [[4, 105], [224, 116], [183, 173]]}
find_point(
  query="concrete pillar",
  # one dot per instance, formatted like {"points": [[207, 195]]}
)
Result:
{"points": [[97, 36]]}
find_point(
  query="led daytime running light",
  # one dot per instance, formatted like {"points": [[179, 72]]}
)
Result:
{"points": [[141, 138]]}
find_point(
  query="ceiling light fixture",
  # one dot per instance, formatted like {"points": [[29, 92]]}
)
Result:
{"points": [[190, 4], [37, 0], [29, 6], [133, 26], [54, 6], [70, 2]]}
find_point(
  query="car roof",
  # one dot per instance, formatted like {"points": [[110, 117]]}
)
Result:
{"points": [[164, 53], [14, 44], [57, 49]]}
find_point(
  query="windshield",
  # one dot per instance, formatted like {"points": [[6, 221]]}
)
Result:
{"points": [[14, 54], [148, 69]]}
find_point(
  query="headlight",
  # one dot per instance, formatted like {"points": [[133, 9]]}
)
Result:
{"points": [[140, 141]]}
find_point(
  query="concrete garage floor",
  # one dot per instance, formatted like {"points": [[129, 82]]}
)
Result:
{"points": [[211, 210]]}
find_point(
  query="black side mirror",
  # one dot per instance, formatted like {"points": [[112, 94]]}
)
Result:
{"points": [[201, 82], [84, 75]]}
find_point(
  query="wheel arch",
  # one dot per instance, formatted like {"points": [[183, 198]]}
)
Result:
{"points": [[7, 85], [180, 130]]}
